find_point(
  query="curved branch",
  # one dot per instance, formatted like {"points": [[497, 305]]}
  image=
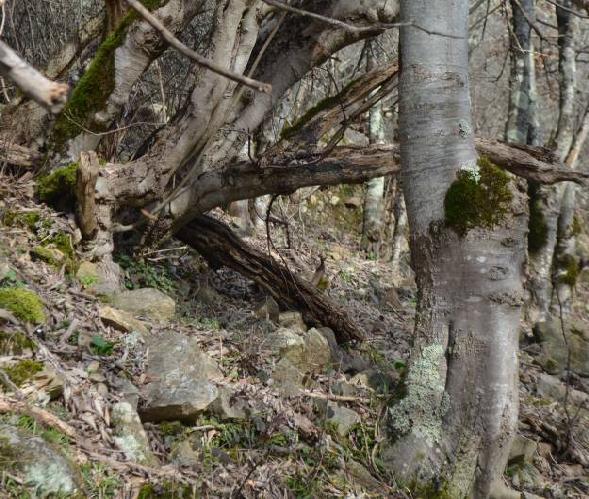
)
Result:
{"points": [[49, 94]]}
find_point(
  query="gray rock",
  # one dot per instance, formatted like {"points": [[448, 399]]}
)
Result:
{"points": [[522, 449], [148, 302], [285, 341], [309, 353], [341, 417], [347, 362], [181, 379], [38, 464], [287, 378], [554, 350], [292, 320], [183, 454], [227, 405], [268, 310], [128, 390], [130, 436], [361, 477]]}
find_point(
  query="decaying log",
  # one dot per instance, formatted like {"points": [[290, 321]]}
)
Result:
{"points": [[86, 194], [220, 246], [49, 94]]}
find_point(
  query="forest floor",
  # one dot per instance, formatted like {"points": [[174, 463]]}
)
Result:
{"points": [[292, 424]]}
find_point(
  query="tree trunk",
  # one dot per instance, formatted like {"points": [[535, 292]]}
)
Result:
{"points": [[546, 201], [374, 198], [221, 247], [565, 261], [451, 432]]}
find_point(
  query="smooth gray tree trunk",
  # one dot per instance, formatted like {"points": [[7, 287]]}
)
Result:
{"points": [[372, 226], [451, 432], [543, 261], [565, 259]]}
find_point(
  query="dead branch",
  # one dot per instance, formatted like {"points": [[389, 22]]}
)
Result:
{"points": [[49, 94], [220, 246], [42, 416], [86, 194], [183, 49]]}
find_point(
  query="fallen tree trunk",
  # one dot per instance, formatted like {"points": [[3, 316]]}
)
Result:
{"points": [[221, 247]]}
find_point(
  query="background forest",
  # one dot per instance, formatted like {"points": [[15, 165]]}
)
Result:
{"points": [[269, 248]]}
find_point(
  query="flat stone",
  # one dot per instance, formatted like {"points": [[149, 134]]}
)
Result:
{"points": [[39, 464], [288, 379], [548, 386], [341, 417], [181, 379], [148, 302], [130, 436], [121, 320], [227, 406]]}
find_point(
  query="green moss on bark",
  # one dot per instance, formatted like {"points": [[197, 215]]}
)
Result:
{"points": [[537, 226], [569, 270], [478, 199], [58, 186], [96, 85], [24, 304]]}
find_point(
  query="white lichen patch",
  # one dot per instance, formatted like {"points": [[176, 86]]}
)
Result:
{"points": [[421, 410], [50, 478]]}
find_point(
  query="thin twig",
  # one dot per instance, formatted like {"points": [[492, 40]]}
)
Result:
{"points": [[183, 49]]}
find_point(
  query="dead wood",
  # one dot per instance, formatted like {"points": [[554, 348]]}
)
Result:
{"points": [[221, 247]]}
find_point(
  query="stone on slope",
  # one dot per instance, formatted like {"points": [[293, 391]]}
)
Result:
{"points": [[130, 436], [148, 302], [38, 464], [554, 350], [181, 379], [122, 320], [292, 320]]}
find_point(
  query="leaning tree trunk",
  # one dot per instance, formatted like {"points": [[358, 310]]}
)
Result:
{"points": [[374, 198], [451, 432]]}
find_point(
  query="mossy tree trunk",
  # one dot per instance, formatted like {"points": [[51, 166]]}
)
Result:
{"points": [[451, 433]]}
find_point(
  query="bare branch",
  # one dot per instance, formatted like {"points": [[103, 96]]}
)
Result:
{"points": [[49, 94], [183, 49]]}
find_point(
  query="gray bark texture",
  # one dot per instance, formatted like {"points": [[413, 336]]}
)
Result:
{"points": [[451, 433], [373, 214]]}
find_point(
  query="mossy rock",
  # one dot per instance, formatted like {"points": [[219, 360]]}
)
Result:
{"points": [[15, 343], [52, 256], [23, 371], [24, 304], [40, 465], [478, 198]]}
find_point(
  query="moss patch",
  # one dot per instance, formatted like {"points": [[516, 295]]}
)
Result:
{"points": [[537, 226], [27, 219], [23, 371], [24, 304], [478, 199], [14, 343], [568, 270], [58, 186]]}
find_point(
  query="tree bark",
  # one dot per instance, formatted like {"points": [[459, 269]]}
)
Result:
{"points": [[220, 246], [546, 201], [452, 431], [373, 212], [47, 93]]}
